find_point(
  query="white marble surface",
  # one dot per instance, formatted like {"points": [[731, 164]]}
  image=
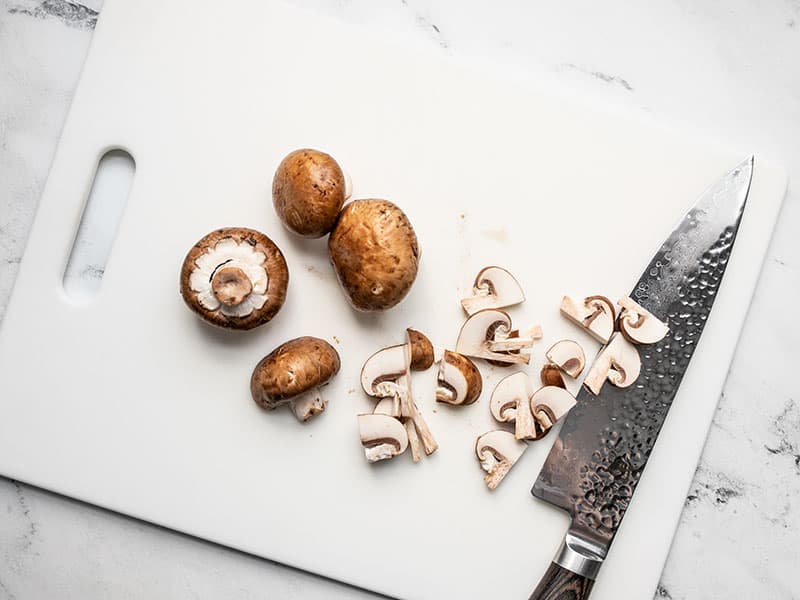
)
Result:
{"points": [[728, 69]]}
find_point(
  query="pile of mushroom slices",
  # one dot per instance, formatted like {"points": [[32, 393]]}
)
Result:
{"points": [[396, 424]]}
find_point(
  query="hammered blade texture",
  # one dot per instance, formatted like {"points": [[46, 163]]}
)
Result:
{"points": [[603, 447]]}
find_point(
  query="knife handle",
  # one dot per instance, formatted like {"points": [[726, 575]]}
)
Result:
{"points": [[559, 583]]}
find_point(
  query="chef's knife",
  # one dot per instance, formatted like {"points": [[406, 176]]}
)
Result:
{"points": [[596, 462]]}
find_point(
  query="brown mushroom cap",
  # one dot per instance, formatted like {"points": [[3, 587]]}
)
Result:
{"points": [[229, 288], [308, 192], [375, 254], [421, 350], [293, 368]]}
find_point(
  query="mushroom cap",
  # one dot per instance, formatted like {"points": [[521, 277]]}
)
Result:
{"points": [[421, 350], [551, 375], [245, 248], [639, 325], [507, 394], [308, 192], [293, 368], [494, 287], [375, 253], [568, 356], [459, 381]]}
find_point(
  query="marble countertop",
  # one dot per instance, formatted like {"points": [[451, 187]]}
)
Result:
{"points": [[726, 69]]}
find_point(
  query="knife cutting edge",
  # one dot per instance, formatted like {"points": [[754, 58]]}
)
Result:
{"points": [[595, 464]]}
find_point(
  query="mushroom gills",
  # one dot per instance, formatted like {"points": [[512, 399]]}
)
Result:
{"points": [[618, 362], [494, 287], [595, 315], [497, 452]]}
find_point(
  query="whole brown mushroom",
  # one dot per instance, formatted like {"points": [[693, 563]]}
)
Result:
{"points": [[308, 191], [234, 278], [293, 373], [375, 254]]}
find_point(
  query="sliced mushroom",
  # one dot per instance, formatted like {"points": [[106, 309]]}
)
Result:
{"points": [[413, 440], [595, 314], [308, 191], [385, 374], [550, 404], [618, 362], [375, 253], [568, 356], [525, 425], [488, 334], [385, 406], [429, 444], [551, 375], [497, 452], [421, 350], [382, 436], [494, 287], [294, 373], [638, 325], [234, 278], [507, 394], [459, 381]]}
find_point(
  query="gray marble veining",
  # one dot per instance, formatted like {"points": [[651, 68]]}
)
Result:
{"points": [[699, 65]]}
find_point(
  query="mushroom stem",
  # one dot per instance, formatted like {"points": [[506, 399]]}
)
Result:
{"points": [[426, 437], [413, 440], [308, 405], [526, 427]]}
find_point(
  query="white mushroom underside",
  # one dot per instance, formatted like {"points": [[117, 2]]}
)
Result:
{"points": [[230, 253], [307, 405]]}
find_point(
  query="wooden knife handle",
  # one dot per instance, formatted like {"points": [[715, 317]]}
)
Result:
{"points": [[559, 583]]}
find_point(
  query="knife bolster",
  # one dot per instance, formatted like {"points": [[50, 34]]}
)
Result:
{"points": [[578, 556]]}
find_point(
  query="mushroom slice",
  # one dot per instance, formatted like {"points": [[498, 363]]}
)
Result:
{"points": [[595, 314], [429, 444], [421, 350], [413, 440], [494, 287], [568, 356], [293, 374], [618, 362], [497, 452], [488, 334], [551, 375], [385, 406], [382, 436], [459, 381], [551, 403], [507, 395], [385, 374], [639, 325]]}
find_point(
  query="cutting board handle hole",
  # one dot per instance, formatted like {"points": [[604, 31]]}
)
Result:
{"points": [[98, 226]]}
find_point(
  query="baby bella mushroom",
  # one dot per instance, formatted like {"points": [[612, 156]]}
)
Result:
{"points": [[293, 374], [638, 325], [375, 253], [550, 404], [497, 452], [459, 382], [595, 314], [488, 334], [421, 350], [234, 278], [568, 356], [494, 287], [618, 362], [308, 191], [551, 375], [382, 436]]}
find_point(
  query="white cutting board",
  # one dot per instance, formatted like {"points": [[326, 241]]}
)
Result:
{"points": [[130, 402]]}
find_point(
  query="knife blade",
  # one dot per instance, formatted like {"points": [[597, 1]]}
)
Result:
{"points": [[602, 449]]}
